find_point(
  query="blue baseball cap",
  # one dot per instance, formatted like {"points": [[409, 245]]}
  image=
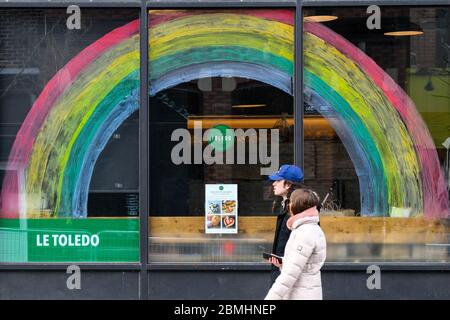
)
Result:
{"points": [[288, 172]]}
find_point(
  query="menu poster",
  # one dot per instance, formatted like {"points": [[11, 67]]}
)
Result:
{"points": [[221, 208]]}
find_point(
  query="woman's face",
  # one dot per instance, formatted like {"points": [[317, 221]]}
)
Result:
{"points": [[280, 188]]}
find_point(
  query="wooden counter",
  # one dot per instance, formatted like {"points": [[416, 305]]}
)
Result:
{"points": [[337, 229]]}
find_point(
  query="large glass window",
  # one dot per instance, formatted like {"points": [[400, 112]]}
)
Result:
{"points": [[69, 99], [377, 115], [221, 119]]}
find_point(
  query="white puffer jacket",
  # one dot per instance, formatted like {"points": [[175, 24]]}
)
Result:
{"points": [[303, 258]]}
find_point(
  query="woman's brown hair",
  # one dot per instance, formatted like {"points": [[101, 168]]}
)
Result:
{"points": [[303, 199]]}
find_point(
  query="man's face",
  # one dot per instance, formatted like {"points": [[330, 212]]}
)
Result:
{"points": [[280, 188]]}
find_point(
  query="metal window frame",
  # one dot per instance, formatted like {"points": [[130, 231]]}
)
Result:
{"points": [[144, 266], [141, 266], [328, 266], [62, 4], [298, 88], [221, 5], [362, 3], [144, 180], [212, 4]]}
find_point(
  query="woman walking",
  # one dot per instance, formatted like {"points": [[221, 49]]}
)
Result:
{"points": [[305, 251]]}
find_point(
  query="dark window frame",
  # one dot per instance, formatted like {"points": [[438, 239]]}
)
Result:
{"points": [[144, 266]]}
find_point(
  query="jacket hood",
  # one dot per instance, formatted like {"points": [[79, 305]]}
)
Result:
{"points": [[310, 215]]}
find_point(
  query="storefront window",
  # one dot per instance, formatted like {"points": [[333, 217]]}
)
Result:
{"points": [[376, 129], [221, 120], [377, 115], [69, 99]]}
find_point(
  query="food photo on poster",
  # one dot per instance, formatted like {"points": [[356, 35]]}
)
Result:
{"points": [[221, 208]]}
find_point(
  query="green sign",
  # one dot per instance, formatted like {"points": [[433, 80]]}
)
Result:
{"points": [[69, 240], [221, 137]]}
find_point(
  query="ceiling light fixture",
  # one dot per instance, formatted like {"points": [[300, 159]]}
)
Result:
{"points": [[402, 27], [320, 18], [249, 106], [320, 15]]}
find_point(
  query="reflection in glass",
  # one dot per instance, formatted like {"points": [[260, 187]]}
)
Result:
{"points": [[382, 133], [217, 69], [69, 101]]}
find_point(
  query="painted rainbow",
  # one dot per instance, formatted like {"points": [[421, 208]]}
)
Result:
{"points": [[52, 160]]}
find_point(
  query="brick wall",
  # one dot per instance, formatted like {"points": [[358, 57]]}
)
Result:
{"points": [[19, 32], [38, 37]]}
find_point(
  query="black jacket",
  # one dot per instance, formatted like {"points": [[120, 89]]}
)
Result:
{"points": [[281, 235]]}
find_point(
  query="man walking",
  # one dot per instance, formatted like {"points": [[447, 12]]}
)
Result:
{"points": [[285, 181]]}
